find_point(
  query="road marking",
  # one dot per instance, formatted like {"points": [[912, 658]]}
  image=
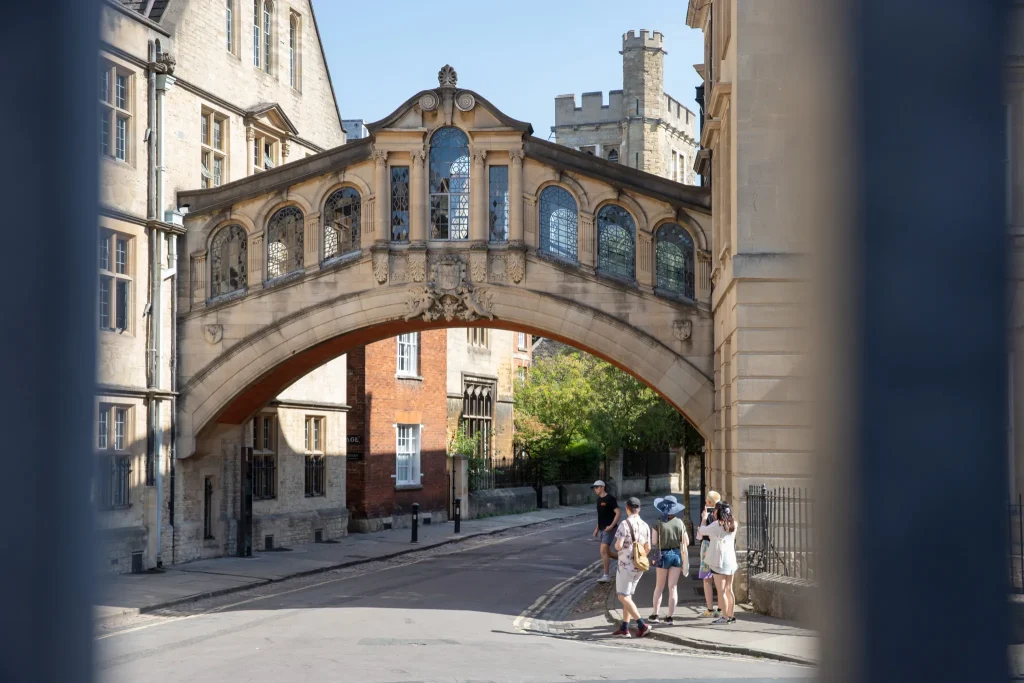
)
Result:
{"points": [[525, 618], [481, 543]]}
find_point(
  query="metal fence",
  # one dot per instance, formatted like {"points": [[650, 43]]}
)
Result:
{"points": [[1015, 548], [650, 464], [501, 473], [780, 532]]}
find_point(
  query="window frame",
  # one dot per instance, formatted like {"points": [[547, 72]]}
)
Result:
{"points": [[688, 249], [521, 341], [112, 114], [265, 430], [331, 212], [229, 26], [315, 477], [411, 345], [263, 35], [210, 152], [293, 243], [497, 203], [477, 415], [436, 196], [262, 160], [295, 51], [116, 277], [228, 230], [478, 337], [608, 263], [114, 457], [401, 204], [557, 194], [412, 453]]}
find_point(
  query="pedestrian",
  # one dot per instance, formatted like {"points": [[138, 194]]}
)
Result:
{"points": [[671, 540], [722, 558], [704, 573], [633, 543], [608, 515]]}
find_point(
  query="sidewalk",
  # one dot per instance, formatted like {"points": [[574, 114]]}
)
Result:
{"points": [[752, 634], [127, 594]]}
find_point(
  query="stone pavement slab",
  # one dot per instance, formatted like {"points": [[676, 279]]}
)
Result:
{"points": [[138, 593]]}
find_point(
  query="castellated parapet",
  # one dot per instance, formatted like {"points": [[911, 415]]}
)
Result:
{"points": [[650, 40]]}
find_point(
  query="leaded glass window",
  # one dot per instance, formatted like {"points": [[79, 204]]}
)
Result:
{"points": [[341, 223], [229, 261], [399, 203], [497, 190], [674, 260], [616, 248], [284, 242], [449, 184], [558, 222]]}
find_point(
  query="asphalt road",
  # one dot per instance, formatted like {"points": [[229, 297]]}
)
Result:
{"points": [[449, 615]]}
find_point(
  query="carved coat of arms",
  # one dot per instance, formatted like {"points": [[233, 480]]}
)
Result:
{"points": [[682, 329], [213, 333], [449, 294]]}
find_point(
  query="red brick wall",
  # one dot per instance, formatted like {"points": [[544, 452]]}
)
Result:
{"points": [[385, 401]]}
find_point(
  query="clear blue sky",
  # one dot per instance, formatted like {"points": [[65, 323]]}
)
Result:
{"points": [[519, 58]]}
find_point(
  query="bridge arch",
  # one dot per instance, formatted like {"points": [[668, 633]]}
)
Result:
{"points": [[250, 372]]}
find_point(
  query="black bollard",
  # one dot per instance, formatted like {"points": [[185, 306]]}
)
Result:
{"points": [[458, 514], [415, 522]]}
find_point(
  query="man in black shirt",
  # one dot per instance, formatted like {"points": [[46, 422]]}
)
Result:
{"points": [[607, 521]]}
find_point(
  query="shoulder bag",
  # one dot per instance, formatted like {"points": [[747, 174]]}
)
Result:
{"points": [[640, 560]]}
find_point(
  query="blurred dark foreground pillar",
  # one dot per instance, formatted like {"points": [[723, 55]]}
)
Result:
{"points": [[914, 448], [48, 194]]}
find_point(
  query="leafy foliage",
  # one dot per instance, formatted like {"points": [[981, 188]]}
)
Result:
{"points": [[572, 401]]}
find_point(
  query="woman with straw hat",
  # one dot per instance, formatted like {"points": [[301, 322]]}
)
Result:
{"points": [[671, 539]]}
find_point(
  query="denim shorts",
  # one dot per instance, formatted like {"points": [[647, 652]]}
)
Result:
{"points": [[607, 537], [670, 558]]}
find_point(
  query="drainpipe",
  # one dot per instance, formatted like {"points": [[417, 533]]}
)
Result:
{"points": [[164, 80]]}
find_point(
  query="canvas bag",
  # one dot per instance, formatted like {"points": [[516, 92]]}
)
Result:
{"points": [[640, 560]]}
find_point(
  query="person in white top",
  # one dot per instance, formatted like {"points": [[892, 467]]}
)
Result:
{"points": [[721, 558]]}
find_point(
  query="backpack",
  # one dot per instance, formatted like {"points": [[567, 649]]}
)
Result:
{"points": [[640, 560]]}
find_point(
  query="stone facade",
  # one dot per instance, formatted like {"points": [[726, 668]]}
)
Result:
{"points": [[164, 80], [641, 125], [761, 432]]}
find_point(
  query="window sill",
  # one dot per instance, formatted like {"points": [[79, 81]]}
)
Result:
{"points": [[315, 495], [114, 330], [256, 499], [114, 508], [415, 378], [408, 487]]}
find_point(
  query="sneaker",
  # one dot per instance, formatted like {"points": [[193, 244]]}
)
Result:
{"points": [[668, 621], [720, 620], [621, 633], [712, 613], [653, 617], [641, 632], [604, 579], [731, 620]]}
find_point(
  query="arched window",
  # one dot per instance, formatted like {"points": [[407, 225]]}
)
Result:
{"points": [[674, 257], [229, 261], [616, 248], [613, 155], [284, 242], [262, 28], [558, 222], [449, 184], [341, 223]]}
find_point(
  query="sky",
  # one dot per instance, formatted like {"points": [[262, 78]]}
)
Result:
{"points": [[519, 57]]}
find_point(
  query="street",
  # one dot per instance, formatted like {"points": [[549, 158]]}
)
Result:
{"points": [[454, 614]]}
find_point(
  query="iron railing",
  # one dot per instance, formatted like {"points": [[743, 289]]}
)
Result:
{"points": [[264, 477], [1015, 547], [780, 532], [500, 473], [115, 481]]}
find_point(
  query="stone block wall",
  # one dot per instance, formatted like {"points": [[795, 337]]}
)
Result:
{"points": [[494, 502], [576, 494], [116, 547]]}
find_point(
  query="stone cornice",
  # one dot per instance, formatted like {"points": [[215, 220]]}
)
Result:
{"points": [[720, 95], [310, 405], [145, 21]]}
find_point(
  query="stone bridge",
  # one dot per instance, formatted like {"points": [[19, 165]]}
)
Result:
{"points": [[450, 214]]}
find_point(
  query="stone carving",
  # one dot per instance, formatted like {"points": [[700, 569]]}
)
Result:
{"points": [[682, 329], [429, 101], [446, 77], [213, 333], [478, 266], [164, 64], [380, 157], [380, 267], [449, 294], [498, 268], [399, 268], [417, 266], [516, 155], [515, 265], [418, 156], [465, 101]]}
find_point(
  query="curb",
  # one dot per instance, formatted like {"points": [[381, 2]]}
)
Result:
{"points": [[256, 583], [698, 644]]}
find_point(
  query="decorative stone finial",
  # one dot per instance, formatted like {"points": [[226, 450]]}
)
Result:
{"points": [[446, 77]]}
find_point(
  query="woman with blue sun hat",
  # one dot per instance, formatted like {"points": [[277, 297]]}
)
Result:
{"points": [[671, 540]]}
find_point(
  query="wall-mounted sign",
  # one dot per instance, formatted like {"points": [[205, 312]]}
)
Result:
{"points": [[354, 456], [355, 439]]}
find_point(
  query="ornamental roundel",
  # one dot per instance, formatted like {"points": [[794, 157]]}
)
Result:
{"points": [[428, 101], [465, 101]]}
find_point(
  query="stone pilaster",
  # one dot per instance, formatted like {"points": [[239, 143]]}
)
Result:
{"points": [[515, 197], [417, 199], [644, 261], [255, 260], [587, 246], [530, 221], [380, 231], [311, 242], [199, 277], [478, 198]]}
